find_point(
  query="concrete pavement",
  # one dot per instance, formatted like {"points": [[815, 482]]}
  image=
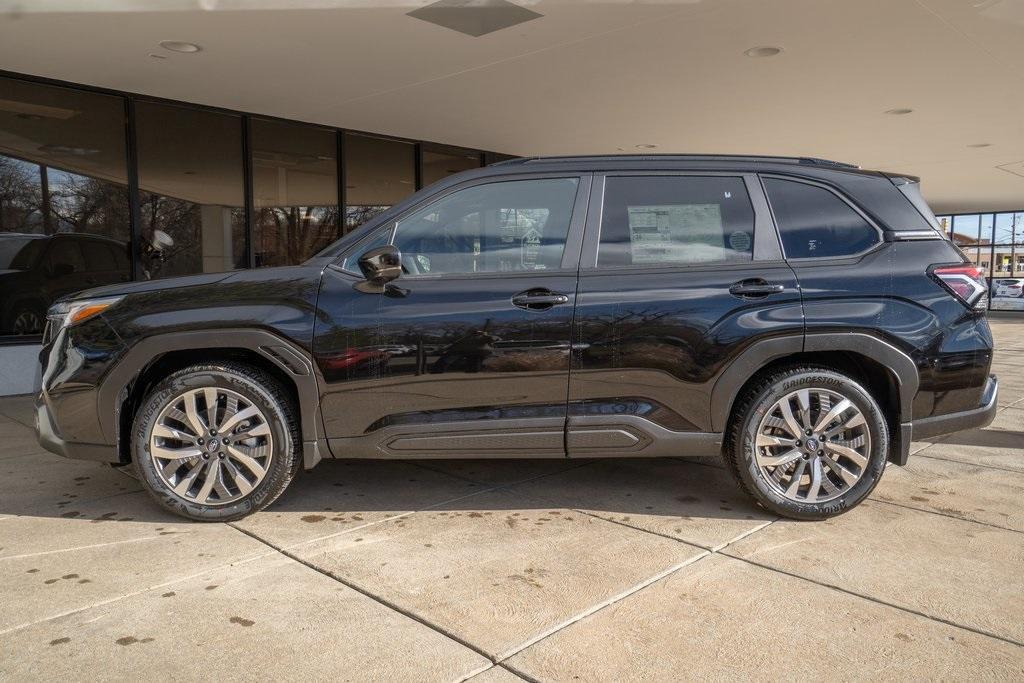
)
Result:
{"points": [[510, 570]]}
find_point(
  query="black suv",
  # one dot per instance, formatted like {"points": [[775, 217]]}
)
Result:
{"points": [[35, 270], [803, 318]]}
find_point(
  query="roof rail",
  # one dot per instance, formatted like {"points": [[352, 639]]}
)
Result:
{"points": [[811, 161]]}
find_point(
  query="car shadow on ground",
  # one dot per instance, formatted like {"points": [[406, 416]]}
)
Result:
{"points": [[987, 438], [357, 490]]}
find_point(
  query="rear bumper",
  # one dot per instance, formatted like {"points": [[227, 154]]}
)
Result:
{"points": [[968, 419], [51, 440], [928, 427]]}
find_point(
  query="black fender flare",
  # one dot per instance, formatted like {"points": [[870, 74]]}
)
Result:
{"points": [[295, 362], [899, 364]]}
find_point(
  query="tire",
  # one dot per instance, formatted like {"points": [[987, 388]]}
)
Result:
{"points": [[765, 465], [213, 477], [26, 319]]}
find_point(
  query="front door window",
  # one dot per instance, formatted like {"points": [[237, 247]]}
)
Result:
{"points": [[502, 227]]}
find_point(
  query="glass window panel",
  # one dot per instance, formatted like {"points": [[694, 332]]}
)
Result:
{"points": [[295, 191], [190, 190], [946, 223], [495, 157], [1009, 228], [438, 165], [63, 183], [975, 254], [675, 220], [509, 226], [814, 222], [1002, 263], [379, 173], [965, 230]]}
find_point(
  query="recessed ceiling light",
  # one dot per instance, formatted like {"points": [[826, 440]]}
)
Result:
{"points": [[898, 112], [156, 56], [981, 144], [763, 51], [179, 46], [646, 146]]}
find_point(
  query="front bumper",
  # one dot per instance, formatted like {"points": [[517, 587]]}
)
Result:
{"points": [[927, 427], [51, 440]]}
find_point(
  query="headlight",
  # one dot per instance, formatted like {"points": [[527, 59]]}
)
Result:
{"points": [[68, 313]]}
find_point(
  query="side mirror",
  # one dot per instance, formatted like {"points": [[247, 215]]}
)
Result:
{"points": [[381, 265]]}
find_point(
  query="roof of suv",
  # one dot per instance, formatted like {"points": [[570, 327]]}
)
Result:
{"points": [[742, 158], [823, 169]]}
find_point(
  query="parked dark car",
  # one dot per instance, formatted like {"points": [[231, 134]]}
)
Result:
{"points": [[35, 270], [804, 319]]}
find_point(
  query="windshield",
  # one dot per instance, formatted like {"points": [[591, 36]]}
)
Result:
{"points": [[16, 253]]}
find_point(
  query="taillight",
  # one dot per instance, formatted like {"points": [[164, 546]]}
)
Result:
{"points": [[966, 283]]}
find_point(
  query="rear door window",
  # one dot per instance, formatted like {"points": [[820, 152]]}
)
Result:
{"points": [[675, 220], [66, 254], [815, 223], [98, 257]]}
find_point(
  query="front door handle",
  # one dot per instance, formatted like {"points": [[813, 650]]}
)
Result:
{"points": [[755, 288], [538, 299]]}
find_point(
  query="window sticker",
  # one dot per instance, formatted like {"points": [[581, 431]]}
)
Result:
{"points": [[529, 245], [740, 241], [675, 232]]}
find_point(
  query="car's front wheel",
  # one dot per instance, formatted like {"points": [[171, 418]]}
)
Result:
{"points": [[807, 443], [216, 442]]}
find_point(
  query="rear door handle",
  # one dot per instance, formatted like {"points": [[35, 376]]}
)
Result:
{"points": [[538, 299], [755, 287]]}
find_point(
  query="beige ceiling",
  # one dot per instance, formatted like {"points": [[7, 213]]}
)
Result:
{"points": [[589, 77]]}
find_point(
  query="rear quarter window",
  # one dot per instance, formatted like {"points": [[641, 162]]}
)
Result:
{"points": [[815, 223]]}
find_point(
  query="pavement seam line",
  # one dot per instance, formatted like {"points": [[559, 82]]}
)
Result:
{"points": [[521, 674], [651, 581], [80, 547], [165, 584], [879, 601], [597, 607], [472, 673], [507, 667], [379, 599], [944, 514]]}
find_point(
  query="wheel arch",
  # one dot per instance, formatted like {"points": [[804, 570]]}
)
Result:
{"points": [[156, 357], [887, 372]]}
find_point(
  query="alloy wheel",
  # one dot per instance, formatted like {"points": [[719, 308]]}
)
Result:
{"points": [[27, 322], [812, 445], [211, 446]]}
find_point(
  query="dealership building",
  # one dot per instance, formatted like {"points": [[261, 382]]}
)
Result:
{"points": [[143, 140]]}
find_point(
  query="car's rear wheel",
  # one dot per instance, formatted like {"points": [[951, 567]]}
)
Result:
{"points": [[216, 442], [807, 443]]}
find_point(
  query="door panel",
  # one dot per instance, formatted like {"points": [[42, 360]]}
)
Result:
{"points": [[652, 338], [445, 355], [653, 344], [446, 362]]}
